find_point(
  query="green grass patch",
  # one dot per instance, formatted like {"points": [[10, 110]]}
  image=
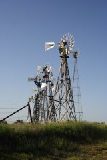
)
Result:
{"points": [[30, 141]]}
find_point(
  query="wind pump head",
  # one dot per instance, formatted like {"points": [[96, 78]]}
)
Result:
{"points": [[65, 46], [44, 75]]}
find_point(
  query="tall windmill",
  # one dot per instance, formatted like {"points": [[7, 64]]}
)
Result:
{"points": [[63, 94]]}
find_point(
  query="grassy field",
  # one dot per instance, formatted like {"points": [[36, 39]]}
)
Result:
{"points": [[56, 141]]}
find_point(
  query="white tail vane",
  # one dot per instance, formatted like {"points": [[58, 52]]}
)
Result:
{"points": [[49, 45]]}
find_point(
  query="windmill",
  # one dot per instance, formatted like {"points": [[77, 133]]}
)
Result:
{"points": [[44, 109], [63, 95]]}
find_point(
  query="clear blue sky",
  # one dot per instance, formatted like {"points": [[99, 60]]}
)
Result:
{"points": [[24, 27]]}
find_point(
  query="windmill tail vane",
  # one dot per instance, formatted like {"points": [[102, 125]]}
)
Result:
{"points": [[49, 45]]}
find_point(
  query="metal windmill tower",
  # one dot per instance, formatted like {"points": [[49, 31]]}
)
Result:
{"points": [[64, 90], [44, 109], [76, 88], [63, 94]]}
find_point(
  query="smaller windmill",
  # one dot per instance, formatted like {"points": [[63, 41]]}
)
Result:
{"points": [[44, 109]]}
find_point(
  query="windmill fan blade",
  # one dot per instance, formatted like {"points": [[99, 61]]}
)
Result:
{"points": [[49, 45]]}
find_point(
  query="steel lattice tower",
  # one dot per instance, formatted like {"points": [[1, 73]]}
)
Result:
{"points": [[44, 109], [76, 88], [63, 95]]}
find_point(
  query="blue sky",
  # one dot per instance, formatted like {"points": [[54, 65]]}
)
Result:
{"points": [[25, 25]]}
